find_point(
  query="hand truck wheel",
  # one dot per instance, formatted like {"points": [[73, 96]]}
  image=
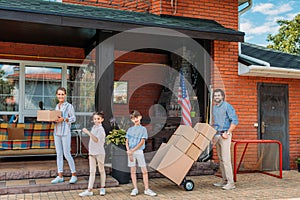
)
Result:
{"points": [[188, 185]]}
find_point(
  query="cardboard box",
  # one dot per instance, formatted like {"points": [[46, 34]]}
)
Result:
{"points": [[48, 115], [206, 130], [180, 142], [171, 162], [188, 132], [194, 152], [202, 142]]}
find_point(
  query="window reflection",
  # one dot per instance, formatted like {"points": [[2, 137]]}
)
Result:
{"points": [[81, 89], [41, 83], [9, 90]]}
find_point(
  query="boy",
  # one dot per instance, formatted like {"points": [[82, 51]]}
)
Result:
{"points": [[135, 144]]}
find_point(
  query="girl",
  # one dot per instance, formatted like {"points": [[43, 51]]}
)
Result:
{"points": [[96, 154], [62, 136]]}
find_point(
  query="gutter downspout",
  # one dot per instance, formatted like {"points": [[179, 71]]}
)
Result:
{"points": [[246, 8]]}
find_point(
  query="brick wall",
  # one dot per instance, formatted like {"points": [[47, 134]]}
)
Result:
{"points": [[19, 51], [241, 92], [143, 96]]}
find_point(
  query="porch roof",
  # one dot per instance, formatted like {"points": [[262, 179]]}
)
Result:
{"points": [[260, 61], [273, 57], [53, 23]]}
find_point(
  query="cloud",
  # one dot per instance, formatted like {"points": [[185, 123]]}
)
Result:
{"points": [[42, 70], [267, 27], [291, 16], [270, 9]]}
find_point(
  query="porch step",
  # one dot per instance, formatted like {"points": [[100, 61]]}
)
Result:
{"points": [[30, 176], [44, 185]]}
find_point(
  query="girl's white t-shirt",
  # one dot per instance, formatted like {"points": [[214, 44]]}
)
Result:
{"points": [[96, 148]]}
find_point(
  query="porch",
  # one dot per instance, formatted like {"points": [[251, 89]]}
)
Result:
{"points": [[33, 174]]}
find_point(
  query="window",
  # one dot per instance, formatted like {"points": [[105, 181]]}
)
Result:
{"points": [[81, 93], [81, 88], [120, 92], [27, 86], [41, 83], [9, 90]]}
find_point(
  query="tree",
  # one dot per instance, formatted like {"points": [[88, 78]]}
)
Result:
{"points": [[288, 38]]}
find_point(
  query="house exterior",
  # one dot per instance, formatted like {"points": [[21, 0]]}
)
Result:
{"points": [[119, 55]]}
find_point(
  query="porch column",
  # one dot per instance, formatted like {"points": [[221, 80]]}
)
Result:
{"points": [[104, 77]]}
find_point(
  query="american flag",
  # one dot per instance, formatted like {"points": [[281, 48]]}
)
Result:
{"points": [[184, 101]]}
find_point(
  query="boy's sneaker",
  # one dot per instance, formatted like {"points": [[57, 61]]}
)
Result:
{"points": [[57, 180], [220, 184], [86, 193], [134, 192], [102, 191], [229, 186], [150, 193], [73, 180]]}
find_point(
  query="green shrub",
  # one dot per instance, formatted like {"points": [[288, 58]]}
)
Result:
{"points": [[116, 137]]}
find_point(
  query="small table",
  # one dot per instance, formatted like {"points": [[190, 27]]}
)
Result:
{"points": [[77, 133]]}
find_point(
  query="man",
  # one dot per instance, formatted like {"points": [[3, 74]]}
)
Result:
{"points": [[225, 121]]}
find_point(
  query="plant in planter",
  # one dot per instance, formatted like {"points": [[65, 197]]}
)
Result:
{"points": [[116, 136], [119, 161], [297, 160]]}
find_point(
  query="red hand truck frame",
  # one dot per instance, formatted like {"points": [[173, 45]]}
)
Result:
{"points": [[247, 142]]}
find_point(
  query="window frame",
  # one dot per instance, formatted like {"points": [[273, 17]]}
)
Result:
{"points": [[22, 64]]}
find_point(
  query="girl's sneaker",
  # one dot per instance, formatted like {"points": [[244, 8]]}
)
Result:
{"points": [[102, 191], [134, 192], [57, 180], [150, 193], [86, 193], [73, 180]]}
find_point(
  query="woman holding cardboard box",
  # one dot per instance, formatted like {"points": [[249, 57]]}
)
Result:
{"points": [[62, 136]]}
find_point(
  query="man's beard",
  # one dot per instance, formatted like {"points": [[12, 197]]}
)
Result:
{"points": [[217, 100]]}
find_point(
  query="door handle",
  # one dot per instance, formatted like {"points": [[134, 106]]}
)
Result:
{"points": [[263, 127]]}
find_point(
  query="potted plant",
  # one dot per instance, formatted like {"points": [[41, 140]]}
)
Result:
{"points": [[297, 160], [119, 161], [116, 137]]}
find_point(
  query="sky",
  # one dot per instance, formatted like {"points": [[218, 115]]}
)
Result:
{"points": [[261, 19]]}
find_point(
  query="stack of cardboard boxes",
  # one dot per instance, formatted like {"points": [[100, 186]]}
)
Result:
{"points": [[175, 158]]}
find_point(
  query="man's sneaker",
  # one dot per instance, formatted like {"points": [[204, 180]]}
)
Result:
{"points": [[57, 180], [134, 192], [220, 184], [150, 193], [86, 193], [73, 180], [102, 191], [229, 186]]}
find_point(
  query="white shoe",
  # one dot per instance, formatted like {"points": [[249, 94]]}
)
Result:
{"points": [[229, 186], [86, 193], [57, 180], [220, 184], [102, 191], [134, 192], [73, 180], [150, 193]]}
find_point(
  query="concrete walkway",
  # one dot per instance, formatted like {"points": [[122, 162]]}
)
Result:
{"points": [[249, 186]]}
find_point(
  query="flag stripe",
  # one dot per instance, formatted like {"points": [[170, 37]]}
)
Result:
{"points": [[184, 101]]}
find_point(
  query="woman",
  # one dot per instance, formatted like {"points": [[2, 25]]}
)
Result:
{"points": [[62, 136]]}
